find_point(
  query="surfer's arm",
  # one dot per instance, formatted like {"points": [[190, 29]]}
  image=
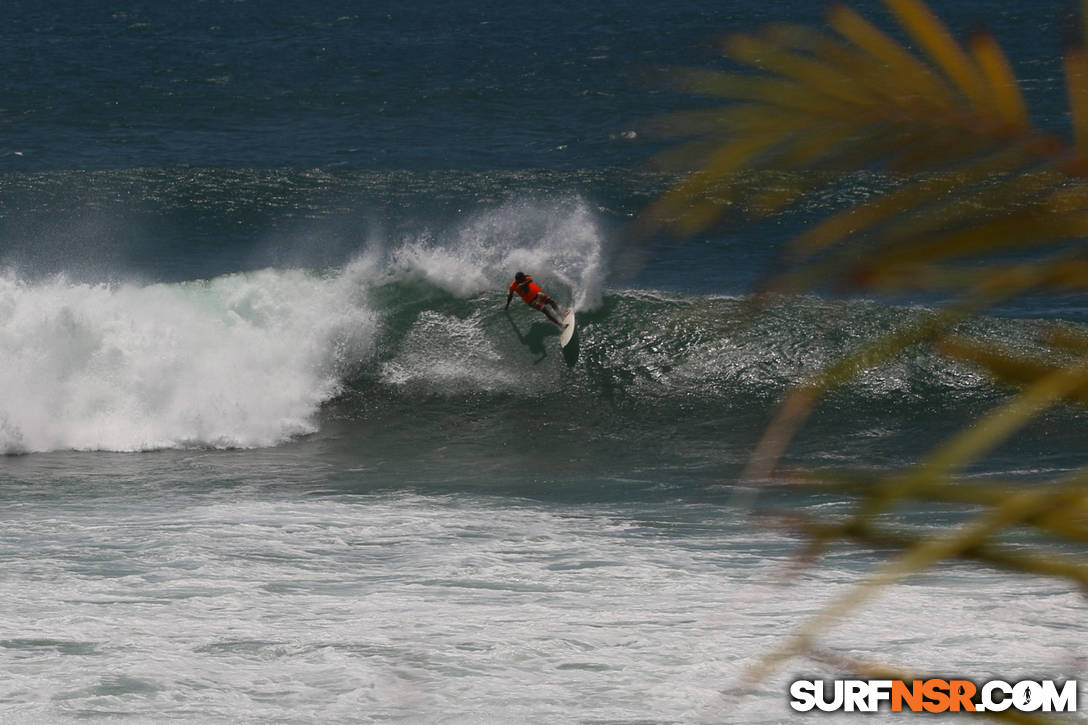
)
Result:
{"points": [[508, 298]]}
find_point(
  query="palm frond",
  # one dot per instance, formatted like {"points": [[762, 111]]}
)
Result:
{"points": [[980, 205], [939, 44]]}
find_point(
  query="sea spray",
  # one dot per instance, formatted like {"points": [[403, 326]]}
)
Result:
{"points": [[558, 241]]}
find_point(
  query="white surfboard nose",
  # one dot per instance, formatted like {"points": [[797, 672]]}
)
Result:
{"points": [[568, 329]]}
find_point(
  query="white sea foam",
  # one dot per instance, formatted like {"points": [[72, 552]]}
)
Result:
{"points": [[462, 609], [467, 357], [238, 361]]}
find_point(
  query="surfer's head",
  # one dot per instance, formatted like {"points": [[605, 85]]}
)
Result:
{"points": [[519, 277]]}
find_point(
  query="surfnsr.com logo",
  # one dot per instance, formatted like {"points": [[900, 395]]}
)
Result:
{"points": [[933, 695]]}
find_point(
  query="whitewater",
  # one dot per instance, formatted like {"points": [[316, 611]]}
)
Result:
{"points": [[231, 601], [246, 360]]}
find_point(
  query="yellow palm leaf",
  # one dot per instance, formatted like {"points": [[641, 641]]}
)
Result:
{"points": [[1076, 80], [914, 77], [924, 27], [1009, 101]]}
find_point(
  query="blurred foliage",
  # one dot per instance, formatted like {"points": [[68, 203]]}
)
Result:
{"points": [[984, 207]]}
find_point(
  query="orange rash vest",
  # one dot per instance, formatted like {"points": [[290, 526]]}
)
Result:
{"points": [[528, 294]]}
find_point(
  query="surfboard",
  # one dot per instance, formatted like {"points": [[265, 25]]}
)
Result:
{"points": [[568, 332]]}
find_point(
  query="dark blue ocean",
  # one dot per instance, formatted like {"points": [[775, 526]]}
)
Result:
{"points": [[276, 453]]}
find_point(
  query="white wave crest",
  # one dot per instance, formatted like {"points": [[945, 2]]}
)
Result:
{"points": [[242, 360]]}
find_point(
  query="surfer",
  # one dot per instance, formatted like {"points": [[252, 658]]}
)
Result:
{"points": [[528, 290]]}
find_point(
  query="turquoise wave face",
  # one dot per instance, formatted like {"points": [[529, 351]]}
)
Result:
{"points": [[675, 382], [647, 345]]}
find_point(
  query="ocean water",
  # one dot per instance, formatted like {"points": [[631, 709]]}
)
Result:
{"points": [[275, 453]]}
